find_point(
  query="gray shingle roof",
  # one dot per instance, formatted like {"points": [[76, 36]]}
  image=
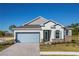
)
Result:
{"points": [[29, 26]]}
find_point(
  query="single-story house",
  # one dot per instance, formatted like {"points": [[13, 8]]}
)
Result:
{"points": [[41, 29]]}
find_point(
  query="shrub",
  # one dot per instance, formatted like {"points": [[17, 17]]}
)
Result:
{"points": [[77, 42], [54, 43], [73, 41], [9, 42]]}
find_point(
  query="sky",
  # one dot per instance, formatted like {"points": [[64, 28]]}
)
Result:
{"points": [[19, 14]]}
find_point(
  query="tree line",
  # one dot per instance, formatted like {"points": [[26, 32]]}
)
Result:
{"points": [[7, 33], [75, 28]]}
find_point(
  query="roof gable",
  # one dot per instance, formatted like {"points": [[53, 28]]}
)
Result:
{"points": [[55, 23], [37, 21], [59, 25], [40, 22]]}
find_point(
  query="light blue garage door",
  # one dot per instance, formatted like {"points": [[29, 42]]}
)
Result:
{"points": [[28, 37]]}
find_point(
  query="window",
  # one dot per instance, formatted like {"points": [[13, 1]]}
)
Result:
{"points": [[57, 34], [46, 34], [66, 32]]}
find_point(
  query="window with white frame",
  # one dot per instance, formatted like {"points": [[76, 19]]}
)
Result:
{"points": [[57, 34]]}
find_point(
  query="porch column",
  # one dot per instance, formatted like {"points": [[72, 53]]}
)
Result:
{"points": [[62, 33], [41, 36], [69, 32], [52, 35]]}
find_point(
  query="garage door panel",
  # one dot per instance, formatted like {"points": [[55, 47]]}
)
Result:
{"points": [[28, 37]]}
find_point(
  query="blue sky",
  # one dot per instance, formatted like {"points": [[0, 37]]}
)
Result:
{"points": [[19, 14]]}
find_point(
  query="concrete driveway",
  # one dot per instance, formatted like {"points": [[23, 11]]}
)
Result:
{"points": [[22, 49]]}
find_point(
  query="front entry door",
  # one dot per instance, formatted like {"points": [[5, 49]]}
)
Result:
{"points": [[46, 35]]}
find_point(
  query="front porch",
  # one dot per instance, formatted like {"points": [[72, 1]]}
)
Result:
{"points": [[52, 36]]}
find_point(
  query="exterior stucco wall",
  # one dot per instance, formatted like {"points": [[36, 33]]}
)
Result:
{"points": [[53, 34], [61, 31], [49, 26]]}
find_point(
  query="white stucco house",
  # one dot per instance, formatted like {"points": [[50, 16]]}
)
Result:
{"points": [[41, 30]]}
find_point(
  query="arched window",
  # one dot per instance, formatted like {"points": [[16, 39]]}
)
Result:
{"points": [[57, 34]]}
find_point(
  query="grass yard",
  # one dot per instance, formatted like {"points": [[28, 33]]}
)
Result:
{"points": [[2, 47], [60, 47], [6, 44], [72, 46]]}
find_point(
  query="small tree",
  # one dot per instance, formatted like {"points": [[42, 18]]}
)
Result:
{"points": [[2, 33], [11, 27]]}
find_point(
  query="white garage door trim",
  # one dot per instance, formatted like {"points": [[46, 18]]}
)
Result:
{"points": [[17, 40]]}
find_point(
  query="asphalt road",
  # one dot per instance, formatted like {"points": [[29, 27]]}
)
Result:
{"points": [[22, 49]]}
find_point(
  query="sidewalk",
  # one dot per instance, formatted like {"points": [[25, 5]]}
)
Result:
{"points": [[58, 53]]}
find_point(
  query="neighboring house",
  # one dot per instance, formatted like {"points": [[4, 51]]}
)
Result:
{"points": [[41, 30]]}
